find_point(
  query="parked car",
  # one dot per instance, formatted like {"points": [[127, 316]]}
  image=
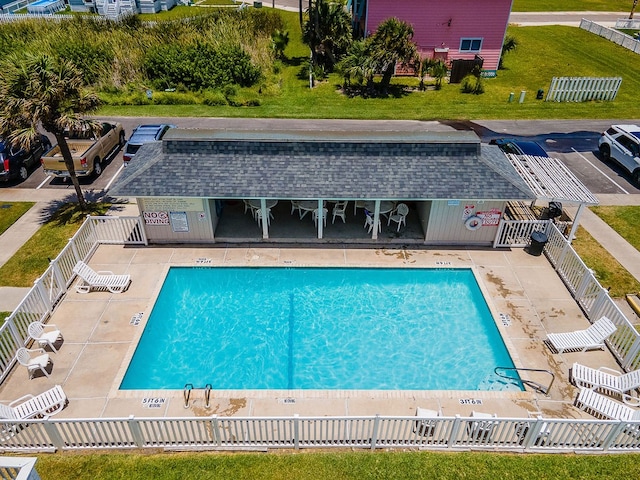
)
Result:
{"points": [[88, 149], [15, 162], [622, 144], [141, 135], [519, 147]]}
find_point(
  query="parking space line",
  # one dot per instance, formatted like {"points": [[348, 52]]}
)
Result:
{"points": [[43, 182], [113, 178], [603, 174]]}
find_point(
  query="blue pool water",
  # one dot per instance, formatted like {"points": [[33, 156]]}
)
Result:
{"points": [[318, 328]]}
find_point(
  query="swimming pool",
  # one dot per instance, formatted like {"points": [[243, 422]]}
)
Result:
{"points": [[318, 328]]}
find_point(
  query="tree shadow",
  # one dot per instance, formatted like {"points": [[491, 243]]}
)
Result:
{"points": [[375, 91], [294, 61], [66, 210]]}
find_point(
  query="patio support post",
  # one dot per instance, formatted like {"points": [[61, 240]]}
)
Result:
{"points": [[376, 220], [265, 218], [574, 227], [320, 218]]}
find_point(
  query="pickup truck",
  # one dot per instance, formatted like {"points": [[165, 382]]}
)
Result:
{"points": [[15, 162], [88, 152]]}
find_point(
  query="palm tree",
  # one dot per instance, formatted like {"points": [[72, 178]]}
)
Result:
{"points": [[392, 42], [38, 89], [358, 64], [633, 9], [327, 32]]}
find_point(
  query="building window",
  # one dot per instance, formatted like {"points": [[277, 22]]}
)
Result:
{"points": [[470, 44]]}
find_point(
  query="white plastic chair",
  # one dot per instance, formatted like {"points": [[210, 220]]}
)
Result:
{"points": [[426, 424], [399, 215], [608, 381], [259, 217], [37, 332], [583, 340], [481, 430], [368, 224], [340, 210], [324, 216], [32, 363], [102, 280], [295, 205]]}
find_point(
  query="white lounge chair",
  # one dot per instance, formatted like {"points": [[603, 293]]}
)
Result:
{"points": [[102, 280], [608, 381], [45, 404], [583, 340], [605, 407], [32, 363], [426, 424], [37, 332], [481, 430]]}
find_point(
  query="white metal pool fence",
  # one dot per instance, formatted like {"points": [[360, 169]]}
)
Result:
{"points": [[296, 432], [310, 432]]}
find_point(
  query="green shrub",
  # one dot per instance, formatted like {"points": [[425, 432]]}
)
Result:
{"points": [[174, 98], [214, 98], [472, 84], [91, 58], [199, 66]]}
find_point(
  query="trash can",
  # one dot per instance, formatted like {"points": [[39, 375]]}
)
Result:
{"points": [[538, 241]]}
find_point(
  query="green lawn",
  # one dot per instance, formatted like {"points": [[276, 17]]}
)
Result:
{"points": [[572, 5], [359, 465], [624, 220], [33, 258], [12, 211], [543, 52]]}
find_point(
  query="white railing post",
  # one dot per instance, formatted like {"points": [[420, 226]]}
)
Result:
{"points": [[74, 249], [613, 434], [296, 431], [58, 276], [53, 434], [143, 233], [215, 425], [136, 431], [374, 435], [584, 283], [42, 292], [632, 353], [454, 432], [599, 302]]}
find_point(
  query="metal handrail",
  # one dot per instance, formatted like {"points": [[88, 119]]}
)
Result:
{"points": [[535, 385]]}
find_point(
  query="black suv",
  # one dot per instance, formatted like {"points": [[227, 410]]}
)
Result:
{"points": [[15, 162]]}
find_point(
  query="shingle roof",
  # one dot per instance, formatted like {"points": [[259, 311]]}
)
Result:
{"points": [[369, 165]]}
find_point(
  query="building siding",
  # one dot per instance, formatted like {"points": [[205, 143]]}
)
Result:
{"points": [[438, 24], [446, 222]]}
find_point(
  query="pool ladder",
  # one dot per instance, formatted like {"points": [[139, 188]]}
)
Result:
{"points": [[538, 387], [186, 393]]}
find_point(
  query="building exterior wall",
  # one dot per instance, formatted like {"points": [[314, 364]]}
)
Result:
{"points": [[442, 25], [178, 220], [446, 222]]}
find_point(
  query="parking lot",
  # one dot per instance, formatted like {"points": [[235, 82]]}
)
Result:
{"points": [[572, 141]]}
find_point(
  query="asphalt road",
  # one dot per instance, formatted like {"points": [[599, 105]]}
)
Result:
{"points": [[575, 142]]}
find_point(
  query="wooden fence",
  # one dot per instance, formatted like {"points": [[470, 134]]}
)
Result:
{"points": [[615, 36], [582, 89]]}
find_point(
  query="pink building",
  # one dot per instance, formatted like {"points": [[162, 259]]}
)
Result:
{"points": [[450, 29]]}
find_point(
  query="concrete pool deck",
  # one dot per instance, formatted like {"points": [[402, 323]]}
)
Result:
{"points": [[99, 339]]}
